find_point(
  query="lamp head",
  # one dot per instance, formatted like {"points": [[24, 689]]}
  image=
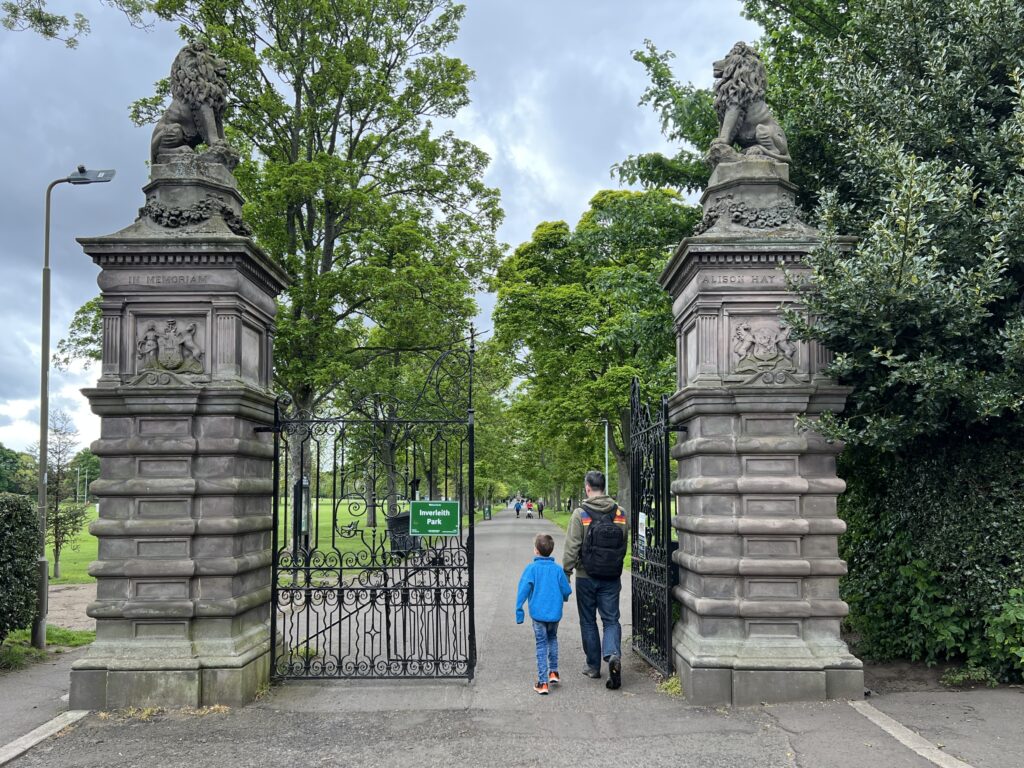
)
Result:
{"points": [[84, 176]]}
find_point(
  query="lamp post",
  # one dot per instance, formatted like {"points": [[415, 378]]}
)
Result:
{"points": [[80, 176]]}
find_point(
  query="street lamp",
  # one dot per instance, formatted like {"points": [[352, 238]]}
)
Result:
{"points": [[80, 176]]}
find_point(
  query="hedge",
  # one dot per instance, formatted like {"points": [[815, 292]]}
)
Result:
{"points": [[19, 542], [935, 548]]}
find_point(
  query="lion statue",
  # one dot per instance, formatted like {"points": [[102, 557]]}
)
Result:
{"points": [[743, 116], [199, 94]]}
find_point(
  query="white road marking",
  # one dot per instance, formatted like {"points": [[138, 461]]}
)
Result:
{"points": [[20, 746], [907, 737]]}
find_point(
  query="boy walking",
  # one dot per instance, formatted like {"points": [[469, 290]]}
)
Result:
{"points": [[544, 584]]}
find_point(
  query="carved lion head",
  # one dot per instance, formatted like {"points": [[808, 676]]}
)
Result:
{"points": [[740, 79], [198, 77]]}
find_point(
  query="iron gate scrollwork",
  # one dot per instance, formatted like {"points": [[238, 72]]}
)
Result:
{"points": [[653, 574], [354, 595]]}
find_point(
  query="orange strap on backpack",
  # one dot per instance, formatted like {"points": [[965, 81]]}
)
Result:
{"points": [[619, 519]]}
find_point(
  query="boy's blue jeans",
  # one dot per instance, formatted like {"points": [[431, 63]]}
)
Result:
{"points": [[601, 596], [546, 634]]}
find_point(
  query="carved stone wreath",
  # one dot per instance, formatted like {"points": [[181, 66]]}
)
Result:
{"points": [[745, 215], [174, 217]]}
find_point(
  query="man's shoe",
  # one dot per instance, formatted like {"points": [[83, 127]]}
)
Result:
{"points": [[541, 688], [614, 673], [553, 678], [592, 673]]}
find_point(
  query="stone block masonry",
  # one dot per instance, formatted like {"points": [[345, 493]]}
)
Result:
{"points": [[756, 495], [185, 488]]}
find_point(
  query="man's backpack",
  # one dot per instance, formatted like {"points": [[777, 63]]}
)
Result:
{"points": [[604, 545]]}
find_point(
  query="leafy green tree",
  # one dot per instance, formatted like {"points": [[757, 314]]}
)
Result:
{"points": [[34, 16], [65, 517], [583, 312], [924, 315], [26, 479], [9, 463], [492, 376], [19, 549], [687, 115], [18, 472], [84, 339], [547, 458], [82, 470]]}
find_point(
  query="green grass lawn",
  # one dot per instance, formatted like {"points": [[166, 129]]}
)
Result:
{"points": [[16, 651], [74, 560]]}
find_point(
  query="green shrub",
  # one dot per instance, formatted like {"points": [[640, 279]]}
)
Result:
{"points": [[19, 537], [935, 548]]}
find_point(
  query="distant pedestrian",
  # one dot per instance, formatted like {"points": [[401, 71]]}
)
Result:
{"points": [[529, 508], [545, 586], [595, 547], [540, 508], [519, 506]]}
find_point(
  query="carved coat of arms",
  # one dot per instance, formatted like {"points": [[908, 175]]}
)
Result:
{"points": [[171, 349], [764, 349]]}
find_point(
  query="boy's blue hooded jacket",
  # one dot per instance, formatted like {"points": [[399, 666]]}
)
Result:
{"points": [[544, 584]]}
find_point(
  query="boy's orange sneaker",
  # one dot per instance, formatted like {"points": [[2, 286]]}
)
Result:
{"points": [[553, 678], [541, 688]]}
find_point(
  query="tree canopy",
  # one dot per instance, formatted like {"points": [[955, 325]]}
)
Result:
{"points": [[583, 313], [36, 16]]}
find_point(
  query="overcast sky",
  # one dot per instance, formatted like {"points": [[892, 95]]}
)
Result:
{"points": [[554, 104]]}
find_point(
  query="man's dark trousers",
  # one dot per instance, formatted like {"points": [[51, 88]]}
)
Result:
{"points": [[599, 596]]}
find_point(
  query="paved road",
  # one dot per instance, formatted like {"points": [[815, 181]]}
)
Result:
{"points": [[34, 695], [499, 721]]}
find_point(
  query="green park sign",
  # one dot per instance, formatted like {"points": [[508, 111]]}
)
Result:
{"points": [[434, 518]]}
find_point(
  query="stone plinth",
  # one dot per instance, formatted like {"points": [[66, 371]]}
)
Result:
{"points": [[185, 486], [758, 556]]}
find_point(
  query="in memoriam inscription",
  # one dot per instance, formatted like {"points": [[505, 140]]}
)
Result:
{"points": [[182, 278]]}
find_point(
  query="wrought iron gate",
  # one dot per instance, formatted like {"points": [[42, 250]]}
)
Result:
{"points": [[354, 595], [653, 573]]}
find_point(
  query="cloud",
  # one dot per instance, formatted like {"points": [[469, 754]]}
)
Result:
{"points": [[19, 423]]}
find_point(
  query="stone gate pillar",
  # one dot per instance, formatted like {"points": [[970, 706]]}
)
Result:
{"points": [[756, 495], [185, 486]]}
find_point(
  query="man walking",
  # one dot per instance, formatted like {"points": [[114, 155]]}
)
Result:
{"points": [[595, 547]]}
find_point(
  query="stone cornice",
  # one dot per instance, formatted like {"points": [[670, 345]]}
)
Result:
{"points": [[696, 253], [179, 252], [735, 252]]}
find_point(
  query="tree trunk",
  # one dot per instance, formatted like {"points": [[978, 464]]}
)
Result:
{"points": [[300, 464], [390, 457], [622, 461], [371, 498], [56, 563]]}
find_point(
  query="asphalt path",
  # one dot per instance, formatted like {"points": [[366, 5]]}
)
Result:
{"points": [[498, 720], [34, 695]]}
